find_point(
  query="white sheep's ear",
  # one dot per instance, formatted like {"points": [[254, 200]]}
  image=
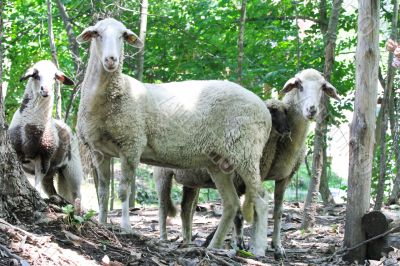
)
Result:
{"points": [[31, 72], [330, 90], [87, 35], [292, 84], [64, 79], [133, 39]]}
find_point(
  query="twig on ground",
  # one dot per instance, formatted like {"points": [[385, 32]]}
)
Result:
{"points": [[344, 251], [9, 254]]}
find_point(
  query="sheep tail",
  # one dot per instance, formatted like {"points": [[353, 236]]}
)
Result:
{"points": [[248, 208], [163, 178], [171, 209]]}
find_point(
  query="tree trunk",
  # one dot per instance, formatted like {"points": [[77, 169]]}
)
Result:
{"points": [[18, 199], [385, 115], [324, 190], [242, 22], [362, 129], [74, 48], [322, 125], [142, 36], [54, 57], [112, 177], [395, 193], [140, 68]]}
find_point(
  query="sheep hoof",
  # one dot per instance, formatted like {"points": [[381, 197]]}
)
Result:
{"points": [[279, 253]]}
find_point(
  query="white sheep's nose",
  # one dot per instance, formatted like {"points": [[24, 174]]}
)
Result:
{"points": [[311, 111], [111, 62], [44, 91]]}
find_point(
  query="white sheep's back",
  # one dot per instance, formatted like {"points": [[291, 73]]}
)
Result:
{"points": [[218, 113]]}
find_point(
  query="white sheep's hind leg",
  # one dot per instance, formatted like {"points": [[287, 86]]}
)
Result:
{"points": [[188, 207], [128, 176], [230, 202], [280, 187], [103, 172], [254, 189]]}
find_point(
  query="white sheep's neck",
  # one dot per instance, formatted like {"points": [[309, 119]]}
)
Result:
{"points": [[38, 110]]}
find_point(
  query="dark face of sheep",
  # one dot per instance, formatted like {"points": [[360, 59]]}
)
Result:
{"points": [[279, 120], [108, 36], [43, 75], [308, 87]]}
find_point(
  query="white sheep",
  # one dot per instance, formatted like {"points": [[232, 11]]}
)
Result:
{"points": [[194, 179], [46, 146], [281, 159], [187, 124]]}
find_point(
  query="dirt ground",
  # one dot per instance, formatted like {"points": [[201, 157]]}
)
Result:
{"points": [[50, 241]]}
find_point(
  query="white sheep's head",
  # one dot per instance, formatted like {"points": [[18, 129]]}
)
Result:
{"points": [[43, 75], [108, 36], [306, 88]]}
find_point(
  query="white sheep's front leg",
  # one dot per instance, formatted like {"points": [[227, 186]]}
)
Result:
{"points": [[230, 203], [128, 168], [103, 190], [39, 175]]}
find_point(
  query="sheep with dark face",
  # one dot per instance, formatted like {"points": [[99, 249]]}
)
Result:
{"points": [[179, 124], [46, 146], [281, 158]]}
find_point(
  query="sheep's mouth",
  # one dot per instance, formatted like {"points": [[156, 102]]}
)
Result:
{"points": [[110, 68], [311, 117]]}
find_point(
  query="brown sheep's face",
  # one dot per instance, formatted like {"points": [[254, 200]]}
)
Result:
{"points": [[280, 120]]}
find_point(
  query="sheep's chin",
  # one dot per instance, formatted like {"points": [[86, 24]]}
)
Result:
{"points": [[110, 70]]}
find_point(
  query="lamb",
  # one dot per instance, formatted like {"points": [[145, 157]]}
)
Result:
{"points": [[217, 125], [303, 93], [46, 146], [194, 179]]}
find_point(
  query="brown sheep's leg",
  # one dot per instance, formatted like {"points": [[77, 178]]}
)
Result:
{"points": [[280, 187], [163, 179], [188, 206]]}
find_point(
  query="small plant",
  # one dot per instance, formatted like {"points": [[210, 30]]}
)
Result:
{"points": [[74, 220]]}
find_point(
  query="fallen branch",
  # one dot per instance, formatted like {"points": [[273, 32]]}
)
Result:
{"points": [[344, 251], [18, 258]]}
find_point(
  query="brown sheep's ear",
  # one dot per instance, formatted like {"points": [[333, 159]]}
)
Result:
{"points": [[64, 79], [330, 90], [133, 39], [31, 72], [291, 84], [87, 35]]}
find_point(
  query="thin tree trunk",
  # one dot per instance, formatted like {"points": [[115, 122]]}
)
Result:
{"points": [[324, 190], [242, 22], [395, 193], [362, 129], [310, 205], [112, 176], [18, 199], [54, 56], [140, 68], [74, 48], [142, 36], [385, 115]]}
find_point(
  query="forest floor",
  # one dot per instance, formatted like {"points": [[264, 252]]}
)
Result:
{"points": [[52, 241]]}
